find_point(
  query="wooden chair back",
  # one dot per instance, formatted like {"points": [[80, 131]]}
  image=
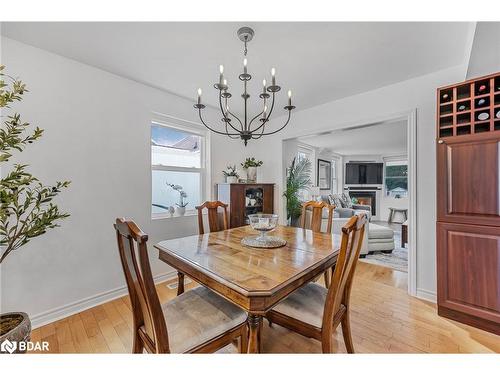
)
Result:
{"points": [[340, 287], [213, 216], [149, 323], [317, 215]]}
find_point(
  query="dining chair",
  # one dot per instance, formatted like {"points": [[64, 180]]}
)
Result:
{"points": [[214, 225], [316, 217], [200, 321], [314, 311]]}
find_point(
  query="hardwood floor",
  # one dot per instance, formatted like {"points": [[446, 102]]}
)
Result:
{"points": [[384, 320]]}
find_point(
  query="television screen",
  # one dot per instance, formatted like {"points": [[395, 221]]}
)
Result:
{"points": [[364, 173]]}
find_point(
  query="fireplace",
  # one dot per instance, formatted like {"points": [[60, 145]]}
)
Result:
{"points": [[368, 198]]}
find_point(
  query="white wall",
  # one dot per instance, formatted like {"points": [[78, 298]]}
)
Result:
{"points": [[97, 134], [378, 105], [485, 53]]}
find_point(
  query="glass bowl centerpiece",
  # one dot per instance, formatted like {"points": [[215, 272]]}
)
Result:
{"points": [[263, 223]]}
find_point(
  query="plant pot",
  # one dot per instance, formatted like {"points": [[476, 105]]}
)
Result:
{"points": [[180, 211], [252, 174], [231, 179], [295, 222], [15, 327]]}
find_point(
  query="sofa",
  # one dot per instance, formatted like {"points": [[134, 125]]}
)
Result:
{"points": [[340, 218], [344, 206], [376, 237]]}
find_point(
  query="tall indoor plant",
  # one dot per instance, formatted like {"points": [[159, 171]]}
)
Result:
{"points": [[298, 177], [26, 208]]}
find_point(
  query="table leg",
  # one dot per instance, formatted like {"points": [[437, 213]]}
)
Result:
{"points": [[180, 283], [254, 325]]}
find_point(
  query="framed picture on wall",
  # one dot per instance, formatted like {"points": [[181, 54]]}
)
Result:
{"points": [[324, 174]]}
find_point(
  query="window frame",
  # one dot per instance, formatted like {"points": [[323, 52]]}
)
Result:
{"points": [[335, 176], [310, 153], [395, 161], [203, 170]]}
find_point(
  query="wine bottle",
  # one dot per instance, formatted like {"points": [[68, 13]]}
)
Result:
{"points": [[445, 97], [481, 102], [498, 114], [461, 107], [482, 88]]}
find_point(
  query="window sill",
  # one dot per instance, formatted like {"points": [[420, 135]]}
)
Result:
{"points": [[174, 216]]}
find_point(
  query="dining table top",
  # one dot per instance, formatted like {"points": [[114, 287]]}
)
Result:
{"points": [[222, 258]]}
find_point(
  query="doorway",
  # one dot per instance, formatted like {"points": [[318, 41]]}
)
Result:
{"points": [[391, 197]]}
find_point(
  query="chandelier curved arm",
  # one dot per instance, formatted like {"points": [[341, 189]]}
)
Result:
{"points": [[253, 119], [224, 114], [266, 119], [229, 135], [209, 128], [286, 123], [259, 135], [237, 119]]}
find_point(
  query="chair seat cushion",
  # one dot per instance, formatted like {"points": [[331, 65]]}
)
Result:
{"points": [[305, 304], [198, 315]]}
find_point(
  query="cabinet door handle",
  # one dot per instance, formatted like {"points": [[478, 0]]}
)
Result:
{"points": [[440, 141]]}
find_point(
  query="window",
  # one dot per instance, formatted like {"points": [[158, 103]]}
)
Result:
{"points": [[305, 153], [177, 158], [335, 183], [396, 179]]}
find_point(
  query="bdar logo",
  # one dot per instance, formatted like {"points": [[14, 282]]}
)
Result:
{"points": [[8, 346]]}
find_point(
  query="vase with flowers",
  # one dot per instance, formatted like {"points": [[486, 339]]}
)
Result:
{"points": [[180, 208], [231, 174], [251, 165]]}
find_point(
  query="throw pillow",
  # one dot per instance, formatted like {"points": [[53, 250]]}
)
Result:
{"points": [[347, 200], [337, 201]]}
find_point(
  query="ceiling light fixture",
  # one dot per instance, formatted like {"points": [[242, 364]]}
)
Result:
{"points": [[243, 129]]}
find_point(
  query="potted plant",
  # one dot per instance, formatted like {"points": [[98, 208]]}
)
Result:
{"points": [[26, 208], [251, 165], [298, 177], [231, 174], [181, 206]]}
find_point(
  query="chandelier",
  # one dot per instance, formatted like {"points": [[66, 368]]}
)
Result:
{"points": [[248, 127]]}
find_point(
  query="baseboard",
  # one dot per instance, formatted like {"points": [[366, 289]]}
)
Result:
{"points": [[58, 313], [427, 295]]}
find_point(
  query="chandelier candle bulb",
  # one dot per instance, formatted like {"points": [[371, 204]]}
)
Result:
{"points": [[264, 86], [199, 96], [245, 66], [221, 76], [273, 74], [289, 97]]}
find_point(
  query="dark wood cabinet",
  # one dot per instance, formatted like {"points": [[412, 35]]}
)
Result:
{"points": [[468, 180], [468, 202], [469, 274], [245, 199]]}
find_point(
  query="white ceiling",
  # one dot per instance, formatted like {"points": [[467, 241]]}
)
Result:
{"points": [[387, 138], [320, 62]]}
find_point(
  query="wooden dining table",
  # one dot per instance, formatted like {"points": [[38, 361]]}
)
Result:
{"points": [[255, 279]]}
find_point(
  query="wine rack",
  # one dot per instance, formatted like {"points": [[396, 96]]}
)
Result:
{"points": [[471, 107]]}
